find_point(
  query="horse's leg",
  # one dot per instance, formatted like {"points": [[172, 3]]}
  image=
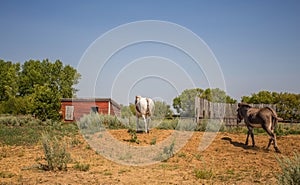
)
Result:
{"points": [[145, 121], [137, 123]]}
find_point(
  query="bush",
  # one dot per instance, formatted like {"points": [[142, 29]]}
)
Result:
{"points": [[81, 167], [27, 120], [168, 124], [290, 168], [56, 154], [92, 123]]}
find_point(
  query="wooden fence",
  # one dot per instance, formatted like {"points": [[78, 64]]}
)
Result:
{"points": [[223, 111]]}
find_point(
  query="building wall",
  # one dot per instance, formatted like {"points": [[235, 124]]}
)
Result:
{"points": [[83, 106]]}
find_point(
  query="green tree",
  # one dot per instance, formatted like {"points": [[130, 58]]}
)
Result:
{"points": [[265, 97], [126, 111], [162, 110], [185, 102], [54, 75], [45, 102], [217, 95], [36, 87], [8, 79], [287, 104]]}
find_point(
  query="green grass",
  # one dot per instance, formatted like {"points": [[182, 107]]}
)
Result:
{"points": [[19, 135], [25, 130]]}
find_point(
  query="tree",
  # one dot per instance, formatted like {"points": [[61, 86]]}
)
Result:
{"points": [[185, 103], [162, 110], [45, 102], [36, 87], [8, 79], [54, 75], [265, 97], [287, 104], [217, 95]]}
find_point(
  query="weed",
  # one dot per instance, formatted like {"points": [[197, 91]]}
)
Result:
{"points": [[198, 156], [153, 141], [168, 152], [7, 174], [107, 173], [55, 154], [181, 155], [290, 168], [134, 138], [203, 173], [81, 167]]}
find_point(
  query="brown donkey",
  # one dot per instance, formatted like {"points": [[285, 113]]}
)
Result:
{"points": [[265, 118]]}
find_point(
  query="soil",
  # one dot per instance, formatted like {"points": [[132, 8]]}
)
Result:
{"points": [[225, 161]]}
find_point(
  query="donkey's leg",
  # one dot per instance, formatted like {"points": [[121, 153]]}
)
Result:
{"points": [[252, 137], [272, 138], [248, 133]]}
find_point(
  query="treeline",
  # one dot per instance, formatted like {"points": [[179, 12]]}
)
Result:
{"points": [[36, 87], [287, 104]]}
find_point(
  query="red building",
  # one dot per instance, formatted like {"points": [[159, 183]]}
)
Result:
{"points": [[74, 108]]}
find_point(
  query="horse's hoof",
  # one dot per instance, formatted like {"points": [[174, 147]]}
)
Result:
{"points": [[277, 150]]}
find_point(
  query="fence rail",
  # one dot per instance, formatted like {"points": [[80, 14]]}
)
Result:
{"points": [[223, 111]]}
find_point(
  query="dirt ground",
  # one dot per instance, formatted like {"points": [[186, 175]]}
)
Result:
{"points": [[226, 161]]}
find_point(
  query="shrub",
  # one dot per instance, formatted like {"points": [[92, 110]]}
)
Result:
{"points": [[81, 167], [134, 138], [290, 168], [92, 123], [153, 141], [203, 173], [168, 124], [56, 154], [167, 153]]}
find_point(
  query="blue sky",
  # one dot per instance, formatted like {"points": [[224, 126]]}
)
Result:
{"points": [[256, 43]]}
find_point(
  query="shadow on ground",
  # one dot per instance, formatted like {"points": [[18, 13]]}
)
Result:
{"points": [[240, 145]]}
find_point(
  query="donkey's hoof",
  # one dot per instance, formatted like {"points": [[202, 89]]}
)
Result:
{"points": [[277, 150]]}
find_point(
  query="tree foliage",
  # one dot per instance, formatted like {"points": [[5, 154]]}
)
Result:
{"points": [[36, 87], [287, 104], [162, 110], [185, 103]]}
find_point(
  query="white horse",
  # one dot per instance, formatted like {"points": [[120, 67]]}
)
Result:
{"points": [[144, 108]]}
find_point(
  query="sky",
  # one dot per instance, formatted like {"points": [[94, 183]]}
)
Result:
{"points": [[254, 44]]}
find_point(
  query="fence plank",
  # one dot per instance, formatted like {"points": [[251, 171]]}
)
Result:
{"points": [[224, 111]]}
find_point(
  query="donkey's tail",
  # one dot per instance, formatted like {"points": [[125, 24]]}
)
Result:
{"points": [[275, 118]]}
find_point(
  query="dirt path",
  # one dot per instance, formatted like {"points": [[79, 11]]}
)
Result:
{"points": [[225, 161]]}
